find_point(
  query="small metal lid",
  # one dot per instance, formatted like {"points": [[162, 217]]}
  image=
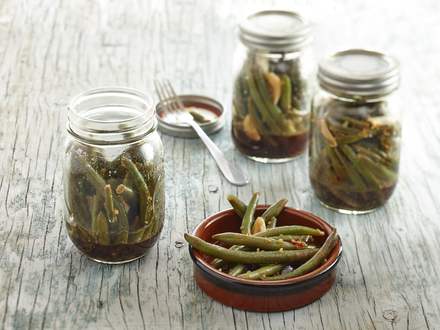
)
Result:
{"points": [[211, 109], [359, 73], [275, 30]]}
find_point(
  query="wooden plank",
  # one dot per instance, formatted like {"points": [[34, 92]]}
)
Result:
{"points": [[51, 50]]}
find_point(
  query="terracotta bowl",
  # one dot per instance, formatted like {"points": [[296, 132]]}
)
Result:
{"points": [[263, 296]]}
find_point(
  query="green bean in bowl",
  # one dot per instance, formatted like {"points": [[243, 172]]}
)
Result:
{"points": [[263, 250]]}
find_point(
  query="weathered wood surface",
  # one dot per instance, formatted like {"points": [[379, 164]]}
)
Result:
{"points": [[51, 50]]}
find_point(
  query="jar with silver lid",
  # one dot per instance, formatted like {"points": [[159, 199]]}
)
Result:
{"points": [[354, 150], [113, 175], [271, 96]]}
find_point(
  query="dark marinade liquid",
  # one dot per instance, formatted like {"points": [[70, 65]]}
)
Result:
{"points": [[270, 147], [110, 253], [364, 201]]}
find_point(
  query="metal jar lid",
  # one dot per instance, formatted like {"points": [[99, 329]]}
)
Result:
{"points": [[209, 108], [275, 30], [359, 73]]}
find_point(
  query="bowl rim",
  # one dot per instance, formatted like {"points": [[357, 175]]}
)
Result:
{"points": [[324, 268]]}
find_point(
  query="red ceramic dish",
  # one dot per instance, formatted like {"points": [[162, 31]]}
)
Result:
{"points": [[263, 296]]}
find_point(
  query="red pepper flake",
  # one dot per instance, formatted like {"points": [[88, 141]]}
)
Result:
{"points": [[298, 244]]}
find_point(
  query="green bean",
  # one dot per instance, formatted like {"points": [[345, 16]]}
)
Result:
{"points": [[97, 182], [355, 176], [262, 272], [338, 168], [352, 138], [314, 262], [92, 176], [261, 128], [240, 97], [237, 270], [77, 206], [125, 192], [359, 167], [245, 257], [265, 114], [217, 262], [326, 133], [374, 155], [248, 217], [113, 182], [95, 208], [271, 212], [291, 230], [238, 206], [122, 221], [198, 117], [145, 200], [275, 112], [286, 94], [355, 122], [126, 181], [272, 109], [379, 170], [334, 186], [100, 229], [115, 212], [272, 223], [109, 206], [302, 238], [274, 210], [262, 243], [339, 129]]}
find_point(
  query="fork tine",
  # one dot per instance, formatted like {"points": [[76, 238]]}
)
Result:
{"points": [[163, 95], [169, 96], [170, 99], [174, 94], [159, 91]]}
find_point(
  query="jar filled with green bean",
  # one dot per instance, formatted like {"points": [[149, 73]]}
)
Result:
{"points": [[271, 96], [113, 175], [355, 132]]}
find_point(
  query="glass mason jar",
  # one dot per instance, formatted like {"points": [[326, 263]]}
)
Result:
{"points": [[113, 175], [271, 97], [354, 150]]}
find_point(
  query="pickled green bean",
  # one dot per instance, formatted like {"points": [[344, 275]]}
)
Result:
{"points": [[262, 243], [245, 257], [291, 230], [314, 262], [248, 217]]}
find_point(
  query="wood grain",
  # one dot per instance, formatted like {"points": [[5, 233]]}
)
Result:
{"points": [[51, 50]]}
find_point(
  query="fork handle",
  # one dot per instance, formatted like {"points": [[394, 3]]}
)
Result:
{"points": [[232, 172]]}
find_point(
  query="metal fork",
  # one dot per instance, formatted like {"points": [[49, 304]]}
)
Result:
{"points": [[173, 104]]}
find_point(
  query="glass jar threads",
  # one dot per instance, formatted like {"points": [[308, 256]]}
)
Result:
{"points": [[355, 131], [113, 175], [270, 120]]}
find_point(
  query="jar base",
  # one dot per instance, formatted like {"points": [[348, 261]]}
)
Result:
{"points": [[273, 160], [116, 262], [111, 254], [346, 211]]}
